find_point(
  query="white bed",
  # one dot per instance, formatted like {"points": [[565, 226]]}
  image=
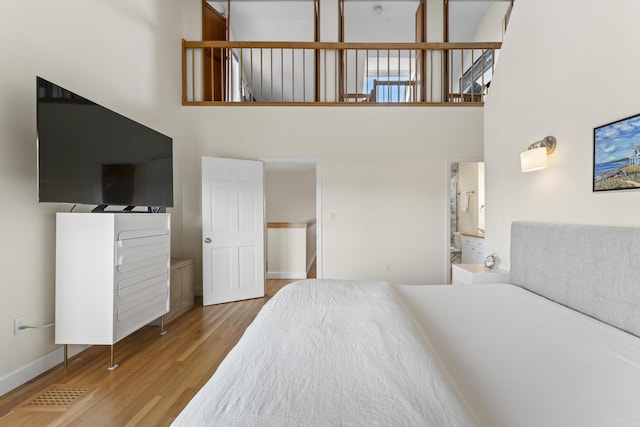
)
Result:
{"points": [[325, 353], [523, 360], [366, 353]]}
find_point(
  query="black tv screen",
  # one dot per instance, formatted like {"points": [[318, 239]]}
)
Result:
{"points": [[88, 154]]}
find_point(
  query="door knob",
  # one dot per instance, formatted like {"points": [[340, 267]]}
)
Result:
{"points": [[207, 240]]}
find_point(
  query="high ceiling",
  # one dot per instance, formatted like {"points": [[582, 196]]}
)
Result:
{"points": [[365, 20]]}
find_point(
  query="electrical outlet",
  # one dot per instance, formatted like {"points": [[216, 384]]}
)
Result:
{"points": [[17, 323], [387, 267]]}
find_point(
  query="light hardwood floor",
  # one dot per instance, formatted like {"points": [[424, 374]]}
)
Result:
{"points": [[157, 376]]}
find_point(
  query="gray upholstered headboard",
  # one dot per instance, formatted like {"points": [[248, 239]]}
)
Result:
{"points": [[592, 269]]}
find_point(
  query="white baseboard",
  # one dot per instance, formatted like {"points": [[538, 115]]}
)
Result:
{"points": [[285, 275], [36, 367]]}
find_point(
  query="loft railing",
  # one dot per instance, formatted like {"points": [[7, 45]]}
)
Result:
{"points": [[293, 73]]}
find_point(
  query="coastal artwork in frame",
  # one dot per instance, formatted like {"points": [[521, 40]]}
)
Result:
{"points": [[616, 155]]}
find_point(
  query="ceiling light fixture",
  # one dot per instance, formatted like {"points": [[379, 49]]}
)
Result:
{"points": [[377, 9]]}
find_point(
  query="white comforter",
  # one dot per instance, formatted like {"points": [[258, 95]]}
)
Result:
{"points": [[325, 353]]}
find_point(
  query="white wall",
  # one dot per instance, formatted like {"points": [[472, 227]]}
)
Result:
{"points": [[490, 28], [565, 68], [383, 177], [395, 23], [291, 195], [286, 253], [124, 54]]}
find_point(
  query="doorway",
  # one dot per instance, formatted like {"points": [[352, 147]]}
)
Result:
{"points": [[465, 208], [214, 28], [293, 206]]}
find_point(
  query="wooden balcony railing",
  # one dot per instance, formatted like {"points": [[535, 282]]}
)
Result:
{"points": [[293, 73]]}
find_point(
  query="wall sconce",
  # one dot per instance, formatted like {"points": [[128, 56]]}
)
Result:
{"points": [[535, 158]]}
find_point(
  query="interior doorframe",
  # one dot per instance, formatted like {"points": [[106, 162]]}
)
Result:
{"points": [[318, 167], [447, 213], [212, 21]]}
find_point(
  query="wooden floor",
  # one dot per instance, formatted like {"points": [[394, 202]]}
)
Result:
{"points": [[157, 376]]}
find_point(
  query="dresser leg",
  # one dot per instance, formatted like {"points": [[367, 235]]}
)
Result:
{"points": [[66, 355], [162, 331], [113, 365]]}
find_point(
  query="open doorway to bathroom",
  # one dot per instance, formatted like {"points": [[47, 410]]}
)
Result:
{"points": [[465, 212]]}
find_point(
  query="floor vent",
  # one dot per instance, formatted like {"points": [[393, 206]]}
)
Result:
{"points": [[56, 398]]}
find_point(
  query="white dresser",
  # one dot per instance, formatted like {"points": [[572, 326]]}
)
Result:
{"points": [[468, 274], [112, 275], [472, 249]]}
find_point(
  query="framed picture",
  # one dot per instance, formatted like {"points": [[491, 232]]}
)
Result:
{"points": [[616, 155]]}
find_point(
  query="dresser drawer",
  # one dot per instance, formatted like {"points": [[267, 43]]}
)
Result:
{"points": [[476, 242], [141, 283], [138, 308], [134, 226], [142, 253]]}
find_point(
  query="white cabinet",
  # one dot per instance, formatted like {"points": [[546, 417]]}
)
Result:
{"points": [[472, 249], [112, 275], [468, 274]]}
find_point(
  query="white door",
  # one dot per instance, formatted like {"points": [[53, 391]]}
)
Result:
{"points": [[232, 230]]}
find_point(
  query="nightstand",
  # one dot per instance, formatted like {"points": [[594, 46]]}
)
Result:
{"points": [[467, 274]]}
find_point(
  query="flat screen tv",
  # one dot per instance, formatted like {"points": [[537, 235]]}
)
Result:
{"points": [[88, 154]]}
